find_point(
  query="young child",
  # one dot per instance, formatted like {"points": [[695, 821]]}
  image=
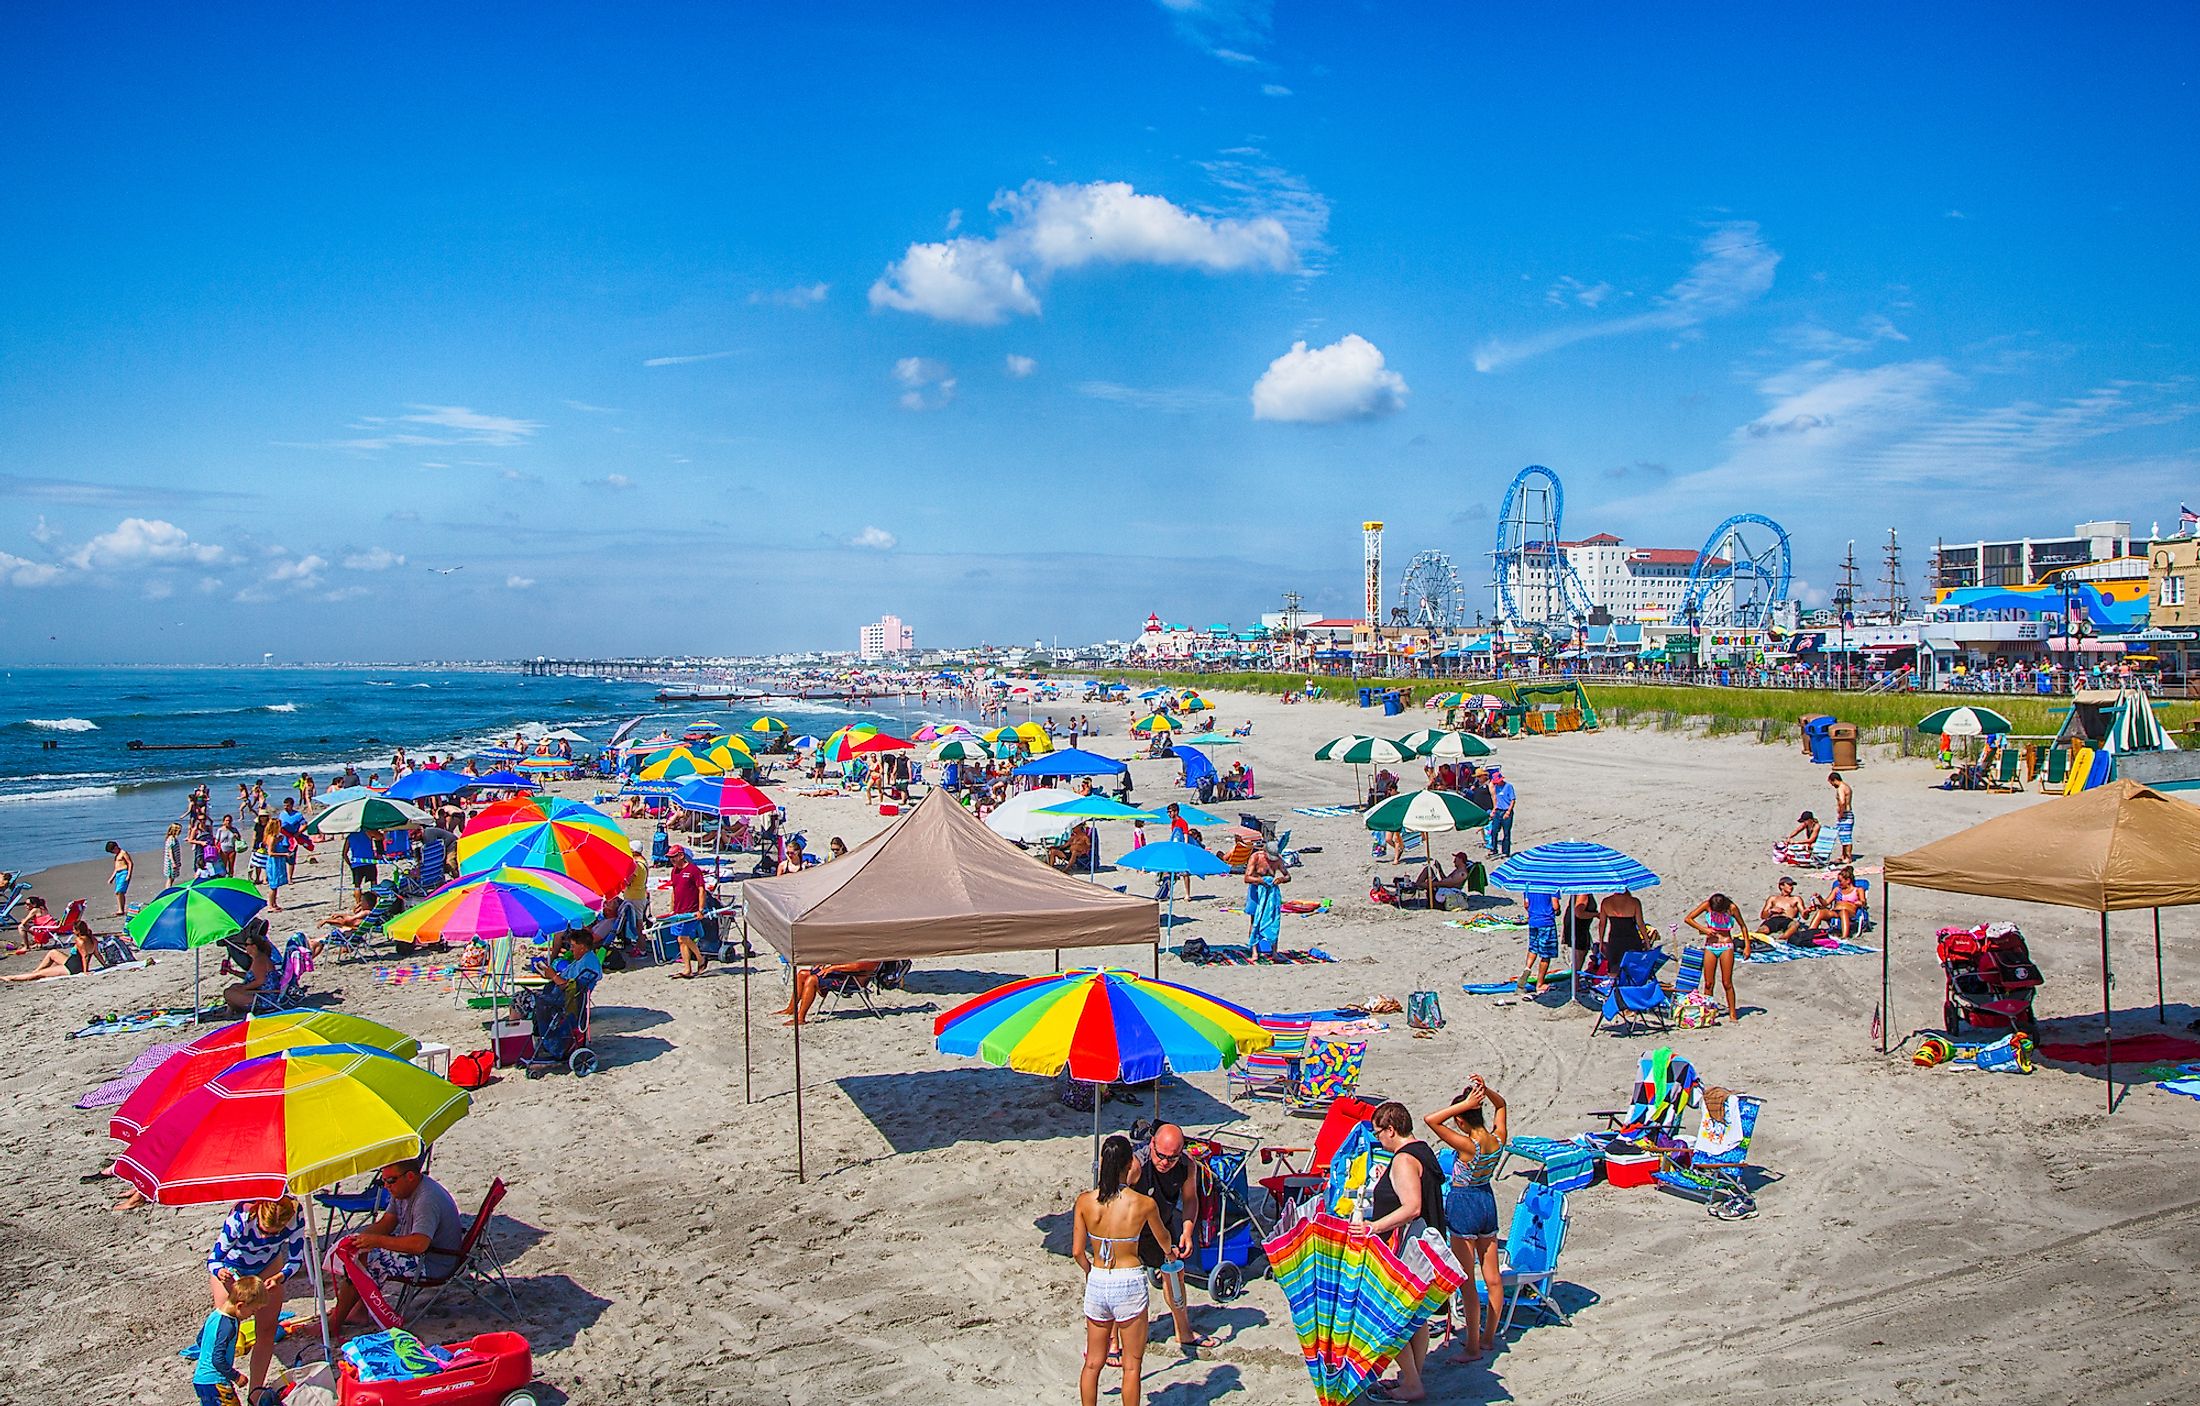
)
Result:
{"points": [[217, 1380]]}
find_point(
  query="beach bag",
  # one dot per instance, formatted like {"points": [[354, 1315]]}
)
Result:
{"points": [[1379, 894], [474, 1069], [1075, 1093], [1695, 1012], [1194, 949], [1424, 1011]]}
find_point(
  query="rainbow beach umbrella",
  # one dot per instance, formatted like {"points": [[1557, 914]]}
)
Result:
{"points": [[508, 902], [545, 832], [240, 1040], [1354, 1300]]}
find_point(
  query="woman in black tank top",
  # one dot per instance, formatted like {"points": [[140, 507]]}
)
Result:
{"points": [[1411, 1192]]}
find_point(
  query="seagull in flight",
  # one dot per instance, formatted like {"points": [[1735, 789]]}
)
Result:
{"points": [[446, 570]]}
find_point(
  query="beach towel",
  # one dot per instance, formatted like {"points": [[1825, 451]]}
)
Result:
{"points": [[1232, 956], [404, 973], [1264, 905], [1325, 811], [394, 1356], [139, 1020], [1777, 951], [102, 970], [2128, 1049], [1507, 925], [115, 1090], [1301, 906]]}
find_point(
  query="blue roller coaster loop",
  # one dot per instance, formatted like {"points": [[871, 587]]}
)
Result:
{"points": [[1772, 565], [1509, 558]]}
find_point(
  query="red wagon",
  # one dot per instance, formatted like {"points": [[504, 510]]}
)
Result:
{"points": [[497, 1371]]}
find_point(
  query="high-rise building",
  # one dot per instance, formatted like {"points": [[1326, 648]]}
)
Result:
{"points": [[1633, 583], [884, 638]]}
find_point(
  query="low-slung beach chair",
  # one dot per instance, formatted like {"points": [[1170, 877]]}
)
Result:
{"points": [[1635, 992], [2055, 772], [490, 984], [289, 991], [2008, 772], [1688, 976], [1269, 1073], [1330, 1070], [1529, 1264], [1709, 1167], [479, 1270], [1666, 1086], [1298, 1179]]}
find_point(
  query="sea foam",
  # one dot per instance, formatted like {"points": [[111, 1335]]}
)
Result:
{"points": [[64, 724]]}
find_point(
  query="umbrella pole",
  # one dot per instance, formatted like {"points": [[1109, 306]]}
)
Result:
{"points": [[748, 1094], [195, 1007], [2161, 1008], [2108, 1042], [320, 1300], [1886, 946], [801, 1172]]}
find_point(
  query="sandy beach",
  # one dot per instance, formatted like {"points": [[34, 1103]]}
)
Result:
{"points": [[1939, 1235]]}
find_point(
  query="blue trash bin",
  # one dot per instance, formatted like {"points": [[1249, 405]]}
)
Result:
{"points": [[1818, 732], [1367, 697], [1392, 704]]}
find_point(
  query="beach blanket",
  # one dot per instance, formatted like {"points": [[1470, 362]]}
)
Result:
{"points": [[97, 971], [1340, 1032], [2128, 1049], [1239, 956], [1507, 988], [136, 1020], [1337, 1013], [1325, 811], [406, 973], [1507, 925], [115, 1090], [1776, 951]]}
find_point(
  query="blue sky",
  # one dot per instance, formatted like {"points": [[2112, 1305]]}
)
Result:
{"points": [[493, 331]]}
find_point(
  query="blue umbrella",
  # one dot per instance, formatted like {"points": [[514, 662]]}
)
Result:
{"points": [[416, 785], [1174, 857], [1198, 766], [1572, 866], [1071, 761], [507, 754], [506, 780], [1192, 814]]}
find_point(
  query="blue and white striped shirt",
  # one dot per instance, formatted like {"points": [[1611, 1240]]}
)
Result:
{"points": [[243, 1248]]}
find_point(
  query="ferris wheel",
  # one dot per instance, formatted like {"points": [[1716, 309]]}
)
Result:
{"points": [[1536, 585], [1431, 595], [1742, 575]]}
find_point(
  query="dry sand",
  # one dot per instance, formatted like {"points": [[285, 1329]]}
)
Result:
{"points": [[1934, 1235]]}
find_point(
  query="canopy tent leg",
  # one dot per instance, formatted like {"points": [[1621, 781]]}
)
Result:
{"points": [[2108, 1042], [748, 1092], [801, 1172], [2161, 1007], [1886, 971]]}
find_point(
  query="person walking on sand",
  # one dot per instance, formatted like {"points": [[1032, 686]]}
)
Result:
{"points": [[687, 914], [119, 880], [1105, 1227], [1844, 818], [1498, 838], [1474, 1126]]}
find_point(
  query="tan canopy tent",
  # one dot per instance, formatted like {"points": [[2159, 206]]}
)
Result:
{"points": [[935, 883], [2107, 850]]}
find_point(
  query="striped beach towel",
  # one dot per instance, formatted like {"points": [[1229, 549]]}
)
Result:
{"points": [[1325, 811]]}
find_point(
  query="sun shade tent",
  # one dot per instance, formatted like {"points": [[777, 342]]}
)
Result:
{"points": [[935, 883], [2108, 850]]}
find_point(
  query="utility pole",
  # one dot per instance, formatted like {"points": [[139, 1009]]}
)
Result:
{"points": [[1844, 602]]}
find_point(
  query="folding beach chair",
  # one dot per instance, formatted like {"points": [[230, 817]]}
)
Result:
{"points": [[490, 985], [1329, 1072], [1528, 1267], [1270, 1072], [1709, 1166], [426, 876], [1666, 1086], [290, 981], [859, 985], [359, 942], [2055, 774], [479, 1270], [2008, 772], [1688, 976], [11, 896], [1296, 1181], [1635, 992]]}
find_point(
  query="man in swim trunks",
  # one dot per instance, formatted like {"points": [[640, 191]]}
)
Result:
{"points": [[1163, 1171], [1844, 818], [120, 879], [1782, 911]]}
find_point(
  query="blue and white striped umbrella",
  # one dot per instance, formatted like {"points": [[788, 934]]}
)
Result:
{"points": [[1572, 866]]}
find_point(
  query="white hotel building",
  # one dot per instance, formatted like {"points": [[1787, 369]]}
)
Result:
{"points": [[1648, 584]]}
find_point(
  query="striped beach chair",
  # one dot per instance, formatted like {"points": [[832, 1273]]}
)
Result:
{"points": [[1711, 1165], [1268, 1073]]}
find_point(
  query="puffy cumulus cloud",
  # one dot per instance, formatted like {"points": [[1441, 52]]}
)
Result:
{"points": [[373, 559], [1345, 380], [1044, 228], [519, 583], [1018, 367], [876, 539], [21, 571], [137, 541], [304, 572], [930, 384]]}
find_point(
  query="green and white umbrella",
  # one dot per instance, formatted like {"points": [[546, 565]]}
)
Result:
{"points": [[1426, 813], [962, 749], [1362, 751], [1444, 746], [367, 813], [1970, 720]]}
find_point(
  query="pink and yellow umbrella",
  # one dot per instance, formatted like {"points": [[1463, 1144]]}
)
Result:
{"points": [[509, 902], [545, 832]]}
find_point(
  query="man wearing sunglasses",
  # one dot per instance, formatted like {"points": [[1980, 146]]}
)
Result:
{"points": [[1165, 1173], [416, 1238]]}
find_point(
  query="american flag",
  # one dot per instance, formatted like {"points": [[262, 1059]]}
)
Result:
{"points": [[2186, 517]]}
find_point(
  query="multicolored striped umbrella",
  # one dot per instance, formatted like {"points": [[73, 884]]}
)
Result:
{"points": [[1354, 1300], [540, 766], [676, 763], [218, 1049], [1103, 1024], [507, 902], [547, 832], [722, 795], [196, 914], [290, 1122], [730, 758], [1156, 722]]}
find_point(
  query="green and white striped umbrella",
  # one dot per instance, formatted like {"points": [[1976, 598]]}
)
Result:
{"points": [[1969, 720], [1445, 746], [962, 749], [1426, 812], [367, 813], [1361, 751]]}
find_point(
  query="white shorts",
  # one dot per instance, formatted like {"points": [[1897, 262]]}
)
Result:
{"points": [[1115, 1295]]}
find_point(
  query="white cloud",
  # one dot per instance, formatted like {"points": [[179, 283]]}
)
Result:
{"points": [[479, 428], [1734, 268], [1275, 90], [930, 383], [1572, 290], [876, 539], [519, 583], [686, 360], [344, 593], [140, 541], [1018, 367], [1346, 380], [44, 534], [1046, 228], [373, 559], [466, 426], [1176, 399], [804, 295], [586, 409], [21, 571], [1225, 29], [617, 483]]}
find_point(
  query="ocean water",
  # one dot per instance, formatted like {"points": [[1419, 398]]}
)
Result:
{"points": [[69, 781]]}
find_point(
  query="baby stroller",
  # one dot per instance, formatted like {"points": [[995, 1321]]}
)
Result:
{"points": [[1227, 1239], [1991, 979], [561, 1020]]}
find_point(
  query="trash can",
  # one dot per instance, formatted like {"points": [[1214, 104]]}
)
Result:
{"points": [[1392, 706], [1818, 739], [1843, 739], [1367, 697], [1803, 725]]}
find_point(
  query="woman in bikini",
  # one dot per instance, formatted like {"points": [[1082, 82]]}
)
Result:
{"points": [[1723, 930], [1474, 1127], [81, 956], [1104, 1241]]}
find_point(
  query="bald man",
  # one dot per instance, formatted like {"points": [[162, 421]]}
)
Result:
{"points": [[1164, 1172]]}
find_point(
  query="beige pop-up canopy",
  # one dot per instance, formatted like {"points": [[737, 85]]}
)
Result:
{"points": [[2107, 850], [935, 883]]}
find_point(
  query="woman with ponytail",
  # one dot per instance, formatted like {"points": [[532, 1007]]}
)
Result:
{"points": [[1104, 1242]]}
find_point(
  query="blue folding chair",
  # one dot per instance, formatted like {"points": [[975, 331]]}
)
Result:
{"points": [[1529, 1267], [1635, 992]]}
